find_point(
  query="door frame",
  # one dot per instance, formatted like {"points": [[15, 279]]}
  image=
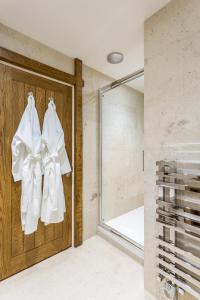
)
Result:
{"points": [[77, 82]]}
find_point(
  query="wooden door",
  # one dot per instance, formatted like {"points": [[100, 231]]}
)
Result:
{"points": [[19, 251]]}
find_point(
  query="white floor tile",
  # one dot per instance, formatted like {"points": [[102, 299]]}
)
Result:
{"points": [[95, 271]]}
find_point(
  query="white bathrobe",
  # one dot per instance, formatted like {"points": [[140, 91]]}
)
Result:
{"points": [[26, 166], [55, 164]]}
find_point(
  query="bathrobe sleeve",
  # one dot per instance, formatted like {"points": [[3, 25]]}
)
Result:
{"points": [[18, 147], [64, 161], [18, 156]]}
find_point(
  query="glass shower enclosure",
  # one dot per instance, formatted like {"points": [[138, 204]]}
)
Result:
{"points": [[121, 151]]}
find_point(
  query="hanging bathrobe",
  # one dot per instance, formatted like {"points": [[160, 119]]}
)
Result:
{"points": [[26, 166], [55, 164]]}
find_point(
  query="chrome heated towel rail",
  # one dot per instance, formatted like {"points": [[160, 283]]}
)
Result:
{"points": [[178, 225]]}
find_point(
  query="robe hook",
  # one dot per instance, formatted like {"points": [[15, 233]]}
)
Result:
{"points": [[51, 103]]}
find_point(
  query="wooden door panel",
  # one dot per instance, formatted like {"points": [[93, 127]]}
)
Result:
{"points": [[19, 251], [17, 234], [65, 111], [3, 85]]}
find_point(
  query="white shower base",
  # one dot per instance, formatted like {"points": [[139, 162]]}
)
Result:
{"points": [[130, 224]]}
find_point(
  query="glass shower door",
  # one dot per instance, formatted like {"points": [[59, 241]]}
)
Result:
{"points": [[122, 204]]}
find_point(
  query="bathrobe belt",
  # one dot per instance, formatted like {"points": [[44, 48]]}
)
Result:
{"points": [[31, 184], [52, 179]]}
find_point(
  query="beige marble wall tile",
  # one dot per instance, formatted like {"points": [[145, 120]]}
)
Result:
{"points": [[93, 81], [24, 45], [122, 151], [172, 123]]}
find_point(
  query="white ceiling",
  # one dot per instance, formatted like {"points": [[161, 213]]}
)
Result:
{"points": [[87, 29]]}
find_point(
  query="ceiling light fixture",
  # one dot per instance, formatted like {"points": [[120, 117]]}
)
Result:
{"points": [[115, 57]]}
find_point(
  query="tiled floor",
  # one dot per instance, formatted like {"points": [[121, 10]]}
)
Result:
{"points": [[130, 224], [95, 271]]}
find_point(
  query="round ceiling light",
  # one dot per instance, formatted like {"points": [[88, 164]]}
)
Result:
{"points": [[115, 57]]}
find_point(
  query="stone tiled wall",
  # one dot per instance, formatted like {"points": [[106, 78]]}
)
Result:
{"points": [[172, 88], [122, 151]]}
